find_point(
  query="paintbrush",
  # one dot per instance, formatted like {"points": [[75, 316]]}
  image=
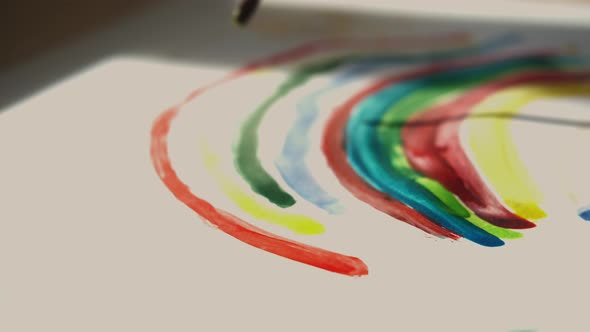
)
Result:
{"points": [[244, 10]]}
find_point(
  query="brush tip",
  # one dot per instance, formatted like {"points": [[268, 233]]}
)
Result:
{"points": [[244, 11]]}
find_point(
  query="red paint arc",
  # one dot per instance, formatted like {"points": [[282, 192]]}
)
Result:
{"points": [[235, 226], [436, 151]]}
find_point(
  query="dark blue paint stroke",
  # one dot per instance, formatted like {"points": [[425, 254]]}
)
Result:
{"points": [[584, 213]]}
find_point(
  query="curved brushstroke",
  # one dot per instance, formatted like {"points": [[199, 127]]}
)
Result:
{"points": [[496, 155], [297, 223], [436, 151], [246, 160], [584, 213], [292, 162], [233, 225], [246, 151]]}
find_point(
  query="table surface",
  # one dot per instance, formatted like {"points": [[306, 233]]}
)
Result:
{"points": [[47, 41]]}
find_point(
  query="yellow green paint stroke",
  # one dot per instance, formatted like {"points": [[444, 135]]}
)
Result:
{"points": [[495, 153], [440, 192], [297, 223]]}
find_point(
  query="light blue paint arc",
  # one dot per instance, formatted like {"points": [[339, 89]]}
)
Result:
{"points": [[292, 162]]}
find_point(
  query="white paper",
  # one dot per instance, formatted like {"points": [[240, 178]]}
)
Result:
{"points": [[91, 239]]}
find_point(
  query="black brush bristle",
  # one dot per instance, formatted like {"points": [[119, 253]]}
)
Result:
{"points": [[245, 10]]}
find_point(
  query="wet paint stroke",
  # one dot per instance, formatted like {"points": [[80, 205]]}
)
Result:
{"points": [[292, 162], [498, 157], [394, 144], [582, 198]]}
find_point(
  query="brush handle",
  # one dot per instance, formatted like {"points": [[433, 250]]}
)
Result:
{"points": [[568, 13]]}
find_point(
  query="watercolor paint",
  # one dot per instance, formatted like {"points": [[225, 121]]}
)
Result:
{"points": [[394, 144]]}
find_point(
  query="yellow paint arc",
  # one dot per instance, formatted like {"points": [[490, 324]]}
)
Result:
{"points": [[494, 151]]}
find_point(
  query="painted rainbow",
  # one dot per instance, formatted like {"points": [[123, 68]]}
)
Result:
{"points": [[393, 143]]}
